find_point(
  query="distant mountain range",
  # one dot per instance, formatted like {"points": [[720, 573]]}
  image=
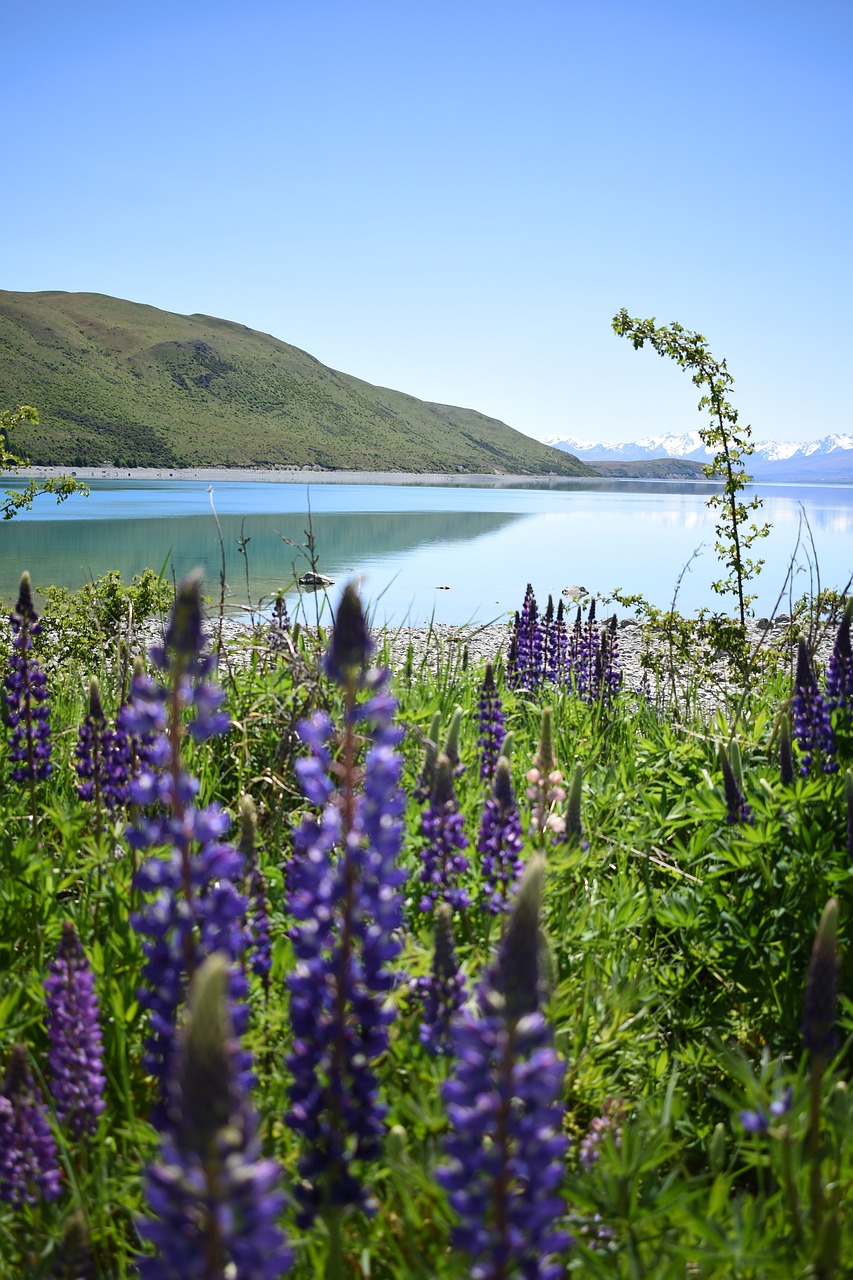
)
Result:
{"points": [[829, 459]]}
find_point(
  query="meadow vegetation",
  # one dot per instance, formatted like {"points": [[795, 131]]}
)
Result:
{"points": [[501, 970]]}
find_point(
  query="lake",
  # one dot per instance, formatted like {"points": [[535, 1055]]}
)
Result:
{"points": [[453, 554]]}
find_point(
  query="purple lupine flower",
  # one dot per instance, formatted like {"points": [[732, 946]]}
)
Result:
{"points": [[90, 746], [573, 831], [215, 1200], [442, 991], [812, 721], [28, 1164], [759, 1120], [506, 1147], [839, 671], [611, 668], [103, 756], [491, 720], [347, 908], [443, 862], [737, 809], [609, 1123], [196, 907], [560, 647], [587, 666], [76, 1053], [786, 756], [524, 669], [257, 911], [819, 1004], [499, 842], [27, 712]]}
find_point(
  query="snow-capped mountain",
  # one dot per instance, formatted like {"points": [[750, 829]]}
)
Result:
{"points": [[828, 459]]}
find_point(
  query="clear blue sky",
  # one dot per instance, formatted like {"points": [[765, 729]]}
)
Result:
{"points": [[453, 198]]}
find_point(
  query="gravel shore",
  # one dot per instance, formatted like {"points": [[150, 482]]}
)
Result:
{"points": [[441, 643]]}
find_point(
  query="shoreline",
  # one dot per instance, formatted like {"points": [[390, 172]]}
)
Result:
{"points": [[290, 475], [315, 475]]}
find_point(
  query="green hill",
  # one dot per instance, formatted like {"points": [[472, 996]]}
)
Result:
{"points": [[119, 382]]}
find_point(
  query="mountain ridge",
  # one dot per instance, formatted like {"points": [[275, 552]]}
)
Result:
{"points": [[827, 459], [126, 384]]}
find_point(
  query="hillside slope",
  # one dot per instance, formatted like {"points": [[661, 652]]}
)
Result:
{"points": [[121, 382]]}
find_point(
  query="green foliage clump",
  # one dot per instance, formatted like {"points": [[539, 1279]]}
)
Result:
{"points": [[91, 619], [16, 500]]}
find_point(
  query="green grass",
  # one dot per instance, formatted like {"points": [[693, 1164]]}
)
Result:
{"points": [[120, 382], [678, 944]]}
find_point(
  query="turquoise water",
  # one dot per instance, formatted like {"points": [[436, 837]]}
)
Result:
{"points": [[409, 543]]}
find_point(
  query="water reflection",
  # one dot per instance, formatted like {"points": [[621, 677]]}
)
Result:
{"points": [[483, 544]]}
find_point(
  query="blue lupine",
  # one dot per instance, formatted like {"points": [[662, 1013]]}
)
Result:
{"points": [[506, 1149], [28, 1163], [839, 671], [443, 861], [821, 984], [195, 908], [442, 991], [76, 1052], [524, 669], [103, 756], [215, 1200], [345, 900], [737, 809], [499, 842], [257, 912], [587, 667], [812, 720], [759, 1120], [560, 647], [491, 723], [27, 713]]}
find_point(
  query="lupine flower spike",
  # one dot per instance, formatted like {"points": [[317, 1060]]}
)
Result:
{"points": [[545, 790], [76, 1053], [346, 903], [195, 907], [786, 756], [215, 1200], [442, 992], [443, 862], [839, 672], [423, 790], [491, 717], [27, 713], [608, 1124], [574, 823], [812, 721], [28, 1165], [819, 1003], [500, 843], [505, 1151], [819, 1039], [257, 910], [451, 743], [737, 809]]}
